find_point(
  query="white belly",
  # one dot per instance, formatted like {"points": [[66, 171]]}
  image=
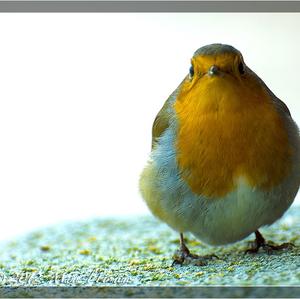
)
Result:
{"points": [[240, 213]]}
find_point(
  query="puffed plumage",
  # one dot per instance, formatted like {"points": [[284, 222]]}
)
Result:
{"points": [[225, 156]]}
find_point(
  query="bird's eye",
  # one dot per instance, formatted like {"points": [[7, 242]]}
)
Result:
{"points": [[191, 72], [241, 68]]}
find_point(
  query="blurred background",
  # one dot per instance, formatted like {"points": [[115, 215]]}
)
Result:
{"points": [[79, 93]]}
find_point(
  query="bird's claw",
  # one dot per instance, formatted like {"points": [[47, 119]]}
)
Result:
{"points": [[269, 248], [187, 258]]}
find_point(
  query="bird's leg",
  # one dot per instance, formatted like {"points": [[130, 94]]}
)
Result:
{"points": [[260, 242], [183, 256]]}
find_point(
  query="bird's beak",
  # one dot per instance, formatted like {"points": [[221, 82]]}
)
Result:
{"points": [[213, 70]]}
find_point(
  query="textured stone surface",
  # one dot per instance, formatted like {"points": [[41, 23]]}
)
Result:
{"points": [[138, 252]]}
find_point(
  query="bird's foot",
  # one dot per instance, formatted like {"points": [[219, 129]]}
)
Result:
{"points": [[184, 257], [269, 248]]}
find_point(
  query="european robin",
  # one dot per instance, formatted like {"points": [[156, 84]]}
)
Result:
{"points": [[225, 156]]}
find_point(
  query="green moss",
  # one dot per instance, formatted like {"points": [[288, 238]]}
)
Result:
{"points": [[45, 247], [26, 269], [158, 277], [85, 252], [154, 249], [183, 282], [230, 268], [195, 242]]}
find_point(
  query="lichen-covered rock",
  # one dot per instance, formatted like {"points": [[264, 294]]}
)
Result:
{"points": [[138, 251]]}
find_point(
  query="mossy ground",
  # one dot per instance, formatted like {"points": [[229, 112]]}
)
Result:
{"points": [[138, 252]]}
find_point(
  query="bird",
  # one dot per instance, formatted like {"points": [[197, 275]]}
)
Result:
{"points": [[225, 156]]}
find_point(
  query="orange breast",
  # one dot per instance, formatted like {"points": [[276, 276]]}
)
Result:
{"points": [[229, 129]]}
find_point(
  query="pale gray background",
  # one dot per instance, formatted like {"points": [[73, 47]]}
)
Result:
{"points": [[79, 93]]}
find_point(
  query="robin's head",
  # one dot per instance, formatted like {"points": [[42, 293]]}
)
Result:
{"points": [[217, 60], [219, 80]]}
